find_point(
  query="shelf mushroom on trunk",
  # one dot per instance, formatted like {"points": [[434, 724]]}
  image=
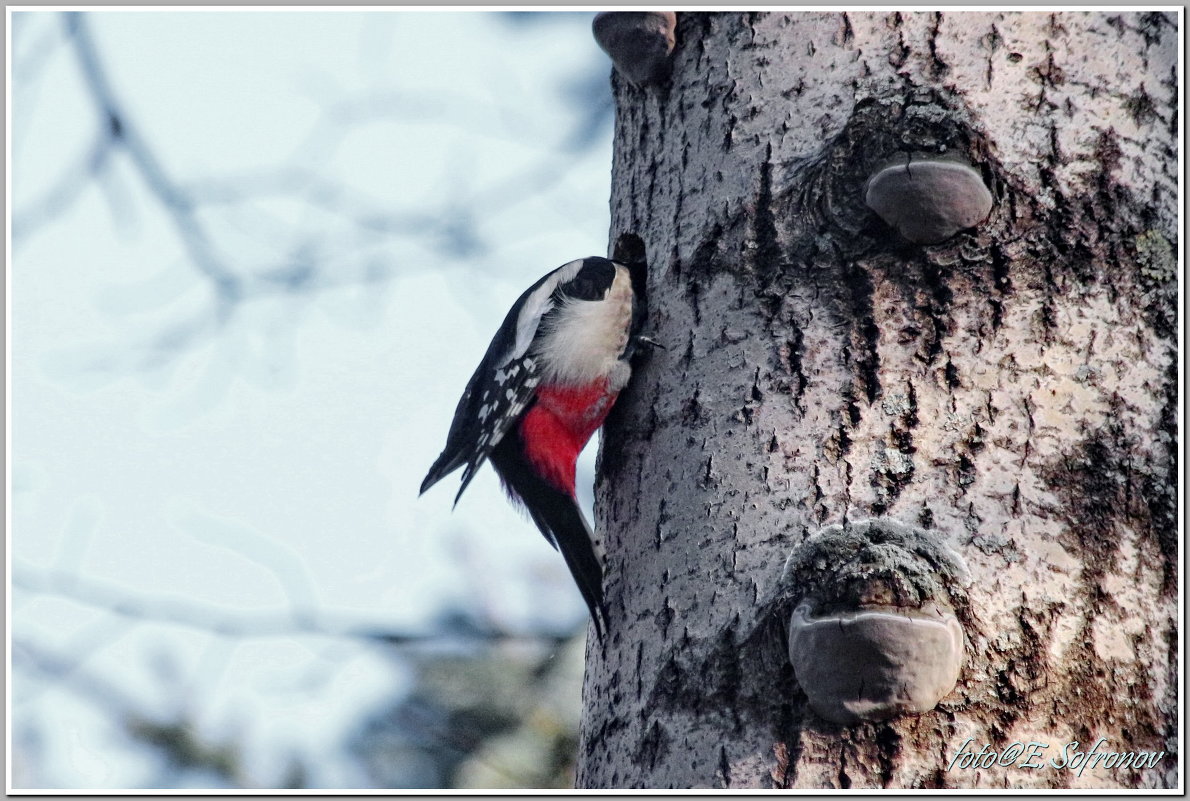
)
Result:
{"points": [[875, 634]]}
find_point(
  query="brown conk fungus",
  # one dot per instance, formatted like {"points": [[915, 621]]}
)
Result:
{"points": [[928, 200], [639, 42], [874, 633], [875, 663]]}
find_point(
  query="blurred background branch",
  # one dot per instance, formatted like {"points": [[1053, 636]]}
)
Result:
{"points": [[240, 623], [216, 410], [121, 132]]}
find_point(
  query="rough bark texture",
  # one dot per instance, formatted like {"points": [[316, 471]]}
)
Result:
{"points": [[1012, 390]]}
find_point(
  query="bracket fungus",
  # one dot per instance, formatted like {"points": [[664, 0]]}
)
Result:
{"points": [[929, 200], [873, 633], [639, 42]]}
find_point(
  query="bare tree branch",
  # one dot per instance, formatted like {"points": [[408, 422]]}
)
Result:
{"points": [[176, 738], [123, 131], [69, 672], [451, 229], [30, 59], [64, 192], [166, 609], [332, 196]]}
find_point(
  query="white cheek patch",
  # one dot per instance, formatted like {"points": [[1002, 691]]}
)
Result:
{"points": [[583, 341]]}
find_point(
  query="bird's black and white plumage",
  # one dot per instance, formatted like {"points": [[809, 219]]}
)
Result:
{"points": [[548, 379]]}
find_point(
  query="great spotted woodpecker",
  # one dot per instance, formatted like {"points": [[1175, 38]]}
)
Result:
{"points": [[546, 383]]}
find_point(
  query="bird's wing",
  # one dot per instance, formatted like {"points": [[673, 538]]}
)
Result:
{"points": [[503, 385], [492, 403]]}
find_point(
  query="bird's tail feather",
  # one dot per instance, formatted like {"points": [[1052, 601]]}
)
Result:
{"points": [[443, 465], [560, 520], [572, 536]]}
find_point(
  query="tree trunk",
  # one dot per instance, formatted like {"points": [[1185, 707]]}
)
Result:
{"points": [[1009, 393]]}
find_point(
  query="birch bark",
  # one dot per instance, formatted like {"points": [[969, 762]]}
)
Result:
{"points": [[1012, 390]]}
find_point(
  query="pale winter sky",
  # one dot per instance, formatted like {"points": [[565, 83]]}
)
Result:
{"points": [[385, 184]]}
